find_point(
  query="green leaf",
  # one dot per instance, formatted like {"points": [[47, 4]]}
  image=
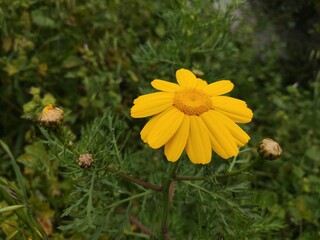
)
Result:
{"points": [[11, 208], [40, 19], [71, 61], [238, 187], [48, 99], [11, 69], [313, 153], [266, 199], [35, 91], [303, 208], [34, 155]]}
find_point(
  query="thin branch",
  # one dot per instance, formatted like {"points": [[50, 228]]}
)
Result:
{"points": [[142, 227], [136, 222], [136, 180]]}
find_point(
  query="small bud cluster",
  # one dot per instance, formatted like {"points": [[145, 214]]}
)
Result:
{"points": [[85, 160], [269, 149]]}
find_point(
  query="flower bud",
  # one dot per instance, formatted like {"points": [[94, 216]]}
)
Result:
{"points": [[198, 72], [269, 149], [51, 116], [85, 160]]}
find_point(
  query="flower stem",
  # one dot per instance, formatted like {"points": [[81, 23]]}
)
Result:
{"points": [[166, 200], [220, 175]]}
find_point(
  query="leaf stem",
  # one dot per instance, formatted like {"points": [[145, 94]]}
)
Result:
{"points": [[148, 192]]}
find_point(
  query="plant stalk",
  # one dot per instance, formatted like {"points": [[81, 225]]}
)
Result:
{"points": [[136, 180], [166, 201]]}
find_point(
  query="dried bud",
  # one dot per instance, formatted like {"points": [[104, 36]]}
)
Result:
{"points": [[198, 72], [269, 149], [51, 116], [85, 160]]}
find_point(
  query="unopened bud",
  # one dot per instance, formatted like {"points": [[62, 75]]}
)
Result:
{"points": [[198, 72], [85, 160], [269, 149], [51, 116]]}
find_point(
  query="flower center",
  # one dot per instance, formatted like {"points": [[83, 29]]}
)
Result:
{"points": [[192, 101]]}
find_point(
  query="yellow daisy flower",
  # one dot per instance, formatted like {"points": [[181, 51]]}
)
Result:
{"points": [[193, 115]]}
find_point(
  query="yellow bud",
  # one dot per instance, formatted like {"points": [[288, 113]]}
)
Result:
{"points": [[51, 116], [269, 149]]}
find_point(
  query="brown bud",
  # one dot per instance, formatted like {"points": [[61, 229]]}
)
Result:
{"points": [[85, 160], [269, 149], [51, 116]]}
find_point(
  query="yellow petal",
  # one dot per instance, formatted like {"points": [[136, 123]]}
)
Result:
{"points": [[198, 145], [151, 104], [186, 78], [236, 117], [222, 141], [175, 146], [162, 127], [219, 88], [148, 128], [222, 100], [239, 135], [201, 84], [235, 109], [165, 86]]}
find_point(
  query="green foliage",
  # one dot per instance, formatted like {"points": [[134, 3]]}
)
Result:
{"points": [[15, 196], [100, 197], [92, 58], [192, 29]]}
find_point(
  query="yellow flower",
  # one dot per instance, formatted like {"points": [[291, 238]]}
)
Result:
{"points": [[193, 115]]}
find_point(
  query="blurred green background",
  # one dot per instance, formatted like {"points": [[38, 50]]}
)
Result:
{"points": [[86, 56]]}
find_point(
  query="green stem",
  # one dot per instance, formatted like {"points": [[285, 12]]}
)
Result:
{"points": [[166, 200], [17, 172], [89, 203], [118, 154], [316, 101], [61, 143], [148, 192], [215, 196], [234, 159], [222, 175]]}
